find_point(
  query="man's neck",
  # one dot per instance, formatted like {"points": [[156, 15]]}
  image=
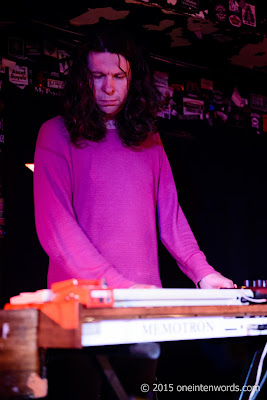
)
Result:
{"points": [[110, 124]]}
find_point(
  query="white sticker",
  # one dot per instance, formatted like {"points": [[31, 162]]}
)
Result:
{"points": [[19, 76], [193, 107], [55, 84], [249, 15]]}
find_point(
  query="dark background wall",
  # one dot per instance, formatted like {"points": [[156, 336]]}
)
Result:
{"points": [[220, 177], [25, 263]]}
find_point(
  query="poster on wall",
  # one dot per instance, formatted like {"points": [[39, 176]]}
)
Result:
{"points": [[168, 103], [162, 83], [32, 48], [50, 49], [15, 47]]}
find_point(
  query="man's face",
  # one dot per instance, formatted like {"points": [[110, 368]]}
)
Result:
{"points": [[111, 75]]}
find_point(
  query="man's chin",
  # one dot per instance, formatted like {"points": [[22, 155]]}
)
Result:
{"points": [[110, 114]]}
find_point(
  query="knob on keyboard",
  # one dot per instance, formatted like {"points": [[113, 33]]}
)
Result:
{"points": [[258, 286], [256, 283]]}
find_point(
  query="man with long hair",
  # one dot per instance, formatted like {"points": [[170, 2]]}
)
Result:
{"points": [[103, 186], [102, 182]]}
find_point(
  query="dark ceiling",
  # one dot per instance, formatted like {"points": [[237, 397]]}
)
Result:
{"points": [[210, 34]]}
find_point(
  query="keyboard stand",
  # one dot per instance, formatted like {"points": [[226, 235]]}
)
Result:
{"points": [[140, 350], [112, 377]]}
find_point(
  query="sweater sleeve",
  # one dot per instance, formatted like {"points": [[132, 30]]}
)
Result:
{"points": [[175, 232], [57, 227]]}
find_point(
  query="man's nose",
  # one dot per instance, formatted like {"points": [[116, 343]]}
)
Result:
{"points": [[109, 85]]}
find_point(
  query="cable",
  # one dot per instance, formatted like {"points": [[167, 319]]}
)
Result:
{"points": [[258, 375], [251, 299], [247, 377]]}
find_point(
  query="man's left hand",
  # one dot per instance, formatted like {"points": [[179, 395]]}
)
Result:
{"points": [[216, 281]]}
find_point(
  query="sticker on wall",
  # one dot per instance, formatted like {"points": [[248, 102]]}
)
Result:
{"points": [[5, 62], [235, 20], [172, 2], [255, 122], [55, 74], [221, 116], [206, 84], [19, 76], [193, 107], [258, 102], [237, 99], [65, 61], [249, 15], [55, 84], [233, 6], [161, 80], [220, 12], [167, 102]]}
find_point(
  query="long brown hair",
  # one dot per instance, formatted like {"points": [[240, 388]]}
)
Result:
{"points": [[84, 119]]}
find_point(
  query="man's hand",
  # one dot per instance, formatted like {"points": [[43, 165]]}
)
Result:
{"points": [[142, 286], [216, 281]]}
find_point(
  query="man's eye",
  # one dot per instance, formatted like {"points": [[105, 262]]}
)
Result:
{"points": [[97, 76], [120, 76]]}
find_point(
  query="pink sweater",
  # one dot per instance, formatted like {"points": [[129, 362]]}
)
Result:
{"points": [[95, 210]]}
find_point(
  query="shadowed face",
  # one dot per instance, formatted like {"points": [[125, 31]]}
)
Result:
{"points": [[111, 76]]}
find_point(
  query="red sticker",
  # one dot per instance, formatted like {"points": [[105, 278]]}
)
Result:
{"points": [[235, 20], [220, 12]]}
